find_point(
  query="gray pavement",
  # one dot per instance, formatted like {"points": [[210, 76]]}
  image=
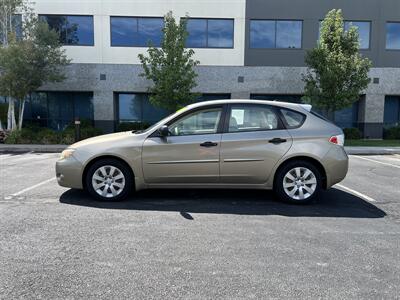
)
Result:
{"points": [[58, 243]]}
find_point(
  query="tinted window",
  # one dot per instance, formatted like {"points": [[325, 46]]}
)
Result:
{"points": [[393, 36], [292, 119], [209, 33], [262, 34], [392, 110], [200, 122], [252, 118], [136, 32], [288, 34], [137, 108], [275, 34], [73, 30], [363, 29]]}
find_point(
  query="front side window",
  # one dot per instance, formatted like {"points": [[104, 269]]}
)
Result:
{"points": [[252, 118], [73, 30], [200, 122], [275, 34], [209, 33], [393, 36], [136, 32]]}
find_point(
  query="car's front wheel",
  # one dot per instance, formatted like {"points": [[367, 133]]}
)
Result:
{"points": [[109, 180], [298, 182]]}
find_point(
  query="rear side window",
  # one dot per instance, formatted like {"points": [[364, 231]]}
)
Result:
{"points": [[252, 118], [292, 119]]}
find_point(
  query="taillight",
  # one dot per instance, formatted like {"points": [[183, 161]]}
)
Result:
{"points": [[337, 139]]}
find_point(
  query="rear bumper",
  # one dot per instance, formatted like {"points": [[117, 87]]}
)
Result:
{"points": [[69, 173], [336, 163]]}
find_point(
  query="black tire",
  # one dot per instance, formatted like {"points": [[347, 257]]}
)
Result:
{"points": [[280, 179], [122, 167]]}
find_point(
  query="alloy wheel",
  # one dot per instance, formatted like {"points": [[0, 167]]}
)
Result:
{"points": [[108, 181], [299, 183]]}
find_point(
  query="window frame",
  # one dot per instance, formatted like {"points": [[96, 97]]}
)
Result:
{"points": [[132, 17], [386, 23], [73, 15], [228, 113], [207, 19], [276, 21]]}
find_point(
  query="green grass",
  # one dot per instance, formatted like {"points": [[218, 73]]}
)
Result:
{"points": [[373, 143]]}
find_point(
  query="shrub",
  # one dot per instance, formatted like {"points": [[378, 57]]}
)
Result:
{"points": [[129, 126], [33, 134], [392, 133], [352, 133]]}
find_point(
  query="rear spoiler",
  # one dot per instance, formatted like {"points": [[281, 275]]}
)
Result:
{"points": [[307, 107]]}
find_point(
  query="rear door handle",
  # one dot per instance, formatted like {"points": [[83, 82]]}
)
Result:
{"points": [[208, 144], [277, 141]]}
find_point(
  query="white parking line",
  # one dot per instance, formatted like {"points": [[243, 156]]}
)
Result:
{"points": [[33, 187], [354, 192], [377, 161]]}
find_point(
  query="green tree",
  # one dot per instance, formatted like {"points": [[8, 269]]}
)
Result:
{"points": [[337, 73], [27, 63], [171, 67]]}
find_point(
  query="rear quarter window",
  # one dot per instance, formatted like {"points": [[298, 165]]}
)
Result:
{"points": [[292, 119]]}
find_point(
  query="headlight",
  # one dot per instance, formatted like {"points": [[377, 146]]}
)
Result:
{"points": [[67, 153]]}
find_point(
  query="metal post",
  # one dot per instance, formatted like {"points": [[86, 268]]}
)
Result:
{"points": [[77, 130]]}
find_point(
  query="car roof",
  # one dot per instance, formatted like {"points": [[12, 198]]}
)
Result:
{"points": [[290, 105]]}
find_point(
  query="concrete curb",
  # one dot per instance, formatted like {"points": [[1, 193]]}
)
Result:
{"points": [[60, 148], [32, 148], [372, 150]]}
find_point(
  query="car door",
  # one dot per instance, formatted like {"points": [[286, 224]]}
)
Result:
{"points": [[190, 154], [253, 141]]}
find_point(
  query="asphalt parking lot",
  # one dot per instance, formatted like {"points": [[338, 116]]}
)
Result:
{"points": [[58, 243]]}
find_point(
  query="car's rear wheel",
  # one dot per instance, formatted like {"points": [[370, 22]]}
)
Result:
{"points": [[298, 182], [109, 180]]}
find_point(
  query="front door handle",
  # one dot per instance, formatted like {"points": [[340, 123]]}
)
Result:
{"points": [[208, 144], [277, 141]]}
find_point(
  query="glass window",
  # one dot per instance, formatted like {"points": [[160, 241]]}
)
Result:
{"points": [[136, 32], [392, 110], [262, 34], [197, 37], [363, 29], [57, 110], [252, 118], [393, 36], [293, 119], [288, 34], [200, 122], [275, 34], [220, 33], [73, 30], [210, 33], [123, 31], [137, 108]]}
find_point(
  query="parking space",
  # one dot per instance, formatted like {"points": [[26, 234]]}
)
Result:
{"points": [[58, 243]]}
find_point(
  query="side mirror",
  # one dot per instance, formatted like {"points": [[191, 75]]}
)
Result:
{"points": [[164, 131]]}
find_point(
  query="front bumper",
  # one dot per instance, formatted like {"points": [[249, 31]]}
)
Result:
{"points": [[336, 163], [69, 173]]}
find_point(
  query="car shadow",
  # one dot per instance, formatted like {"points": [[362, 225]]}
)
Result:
{"points": [[332, 203]]}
